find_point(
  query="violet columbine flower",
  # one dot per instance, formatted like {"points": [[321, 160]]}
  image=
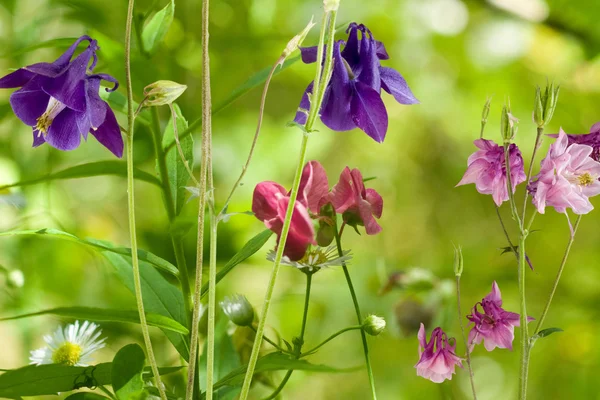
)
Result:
{"points": [[352, 98], [591, 139], [494, 325], [437, 359], [358, 206], [270, 202], [60, 101], [567, 179], [487, 170]]}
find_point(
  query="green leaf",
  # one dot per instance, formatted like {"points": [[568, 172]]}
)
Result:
{"points": [[276, 362], [178, 175], [159, 295], [99, 168], [127, 369], [156, 28], [253, 245], [101, 314], [547, 332], [50, 379], [85, 396], [143, 255], [226, 357], [118, 102]]}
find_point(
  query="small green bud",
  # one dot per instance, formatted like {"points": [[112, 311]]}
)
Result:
{"points": [[331, 5], [161, 93], [296, 41], [238, 309], [486, 110], [458, 261], [15, 279], [508, 127], [545, 104], [373, 325]]}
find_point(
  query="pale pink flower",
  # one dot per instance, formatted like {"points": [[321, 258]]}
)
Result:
{"points": [[437, 359], [568, 178], [486, 169]]}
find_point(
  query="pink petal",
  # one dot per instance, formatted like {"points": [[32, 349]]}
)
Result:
{"points": [[265, 199]]}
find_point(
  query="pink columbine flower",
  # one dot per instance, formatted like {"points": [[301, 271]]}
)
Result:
{"points": [[486, 169], [495, 326], [359, 206], [567, 179], [437, 359], [270, 202]]}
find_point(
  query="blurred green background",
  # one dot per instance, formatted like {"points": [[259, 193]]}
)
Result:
{"points": [[454, 54]]}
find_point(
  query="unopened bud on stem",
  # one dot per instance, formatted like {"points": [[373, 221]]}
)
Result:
{"points": [[331, 5], [373, 325], [296, 41], [238, 309], [545, 104], [458, 261], [508, 124], [161, 93]]}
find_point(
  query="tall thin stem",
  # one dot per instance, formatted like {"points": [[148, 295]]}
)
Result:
{"points": [[131, 206], [359, 318], [558, 275], [206, 144], [464, 337], [330, 338], [538, 143], [314, 110], [523, 320]]}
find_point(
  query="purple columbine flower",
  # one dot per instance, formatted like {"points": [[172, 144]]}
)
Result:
{"points": [[591, 139], [60, 101], [487, 170], [352, 98], [437, 359], [494, 326]]}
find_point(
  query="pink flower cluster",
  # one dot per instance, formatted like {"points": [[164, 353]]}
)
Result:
{"points": [[491, 324], [349, 197]]}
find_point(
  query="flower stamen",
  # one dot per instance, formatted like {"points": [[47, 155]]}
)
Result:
{"points": [[45, 120], [585, 179], [68, 353]]}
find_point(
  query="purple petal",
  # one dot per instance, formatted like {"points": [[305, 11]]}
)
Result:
{"points": [[368, 112], [95, 108], [309, 54], [335, 112], [109, 133], [29, 103], [38, 138], [63, 133], [381, 51], [69, 87], [16, 79], [57, 67], [301, 116], [351, 50], [393, 83], [369, 64]]}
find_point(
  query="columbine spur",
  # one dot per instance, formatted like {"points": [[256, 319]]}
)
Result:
{"points": [[72, 345], [352, 98], [60, 100]]}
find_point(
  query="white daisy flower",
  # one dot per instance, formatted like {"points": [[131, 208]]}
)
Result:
{"points": [[316, 258], [72, 345]]}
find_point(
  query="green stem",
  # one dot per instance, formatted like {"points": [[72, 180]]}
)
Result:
{"points": [[510, 243], [523, 320], [212, 280], [511, 195], [558, 275], [359, 318], [170, 207], [131, 207], [314, 110], [204, 170], [284, 381], [538, 143], [464, 337], [329, 339], [271, 342]]}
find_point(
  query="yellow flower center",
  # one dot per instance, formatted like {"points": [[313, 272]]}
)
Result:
{"points": [[45, 120], [68, 353], [314, 257], [585, 179]]}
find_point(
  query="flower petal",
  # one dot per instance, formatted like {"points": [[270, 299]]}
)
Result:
{"points": [[343, 194], [368, 112], [393, 83], [313, 186], [63, 133], [16, 79], [336, 109], [265, 199], [29, 103], [309, 54], [57, 67], [376, 202], [301, 116], [109, 133]]}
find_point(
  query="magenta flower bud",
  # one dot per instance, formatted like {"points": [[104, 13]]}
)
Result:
{"points": [[486, 169], [494, 326], [437, 359], [270, 202], [568, 178], [359, 206]]}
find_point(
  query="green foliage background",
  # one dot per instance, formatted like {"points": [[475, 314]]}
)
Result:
{"points": [[453, 54]]}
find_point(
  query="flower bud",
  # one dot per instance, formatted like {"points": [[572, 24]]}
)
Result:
{"points": [[331, 5], [15, 279], [545, 104], [238, 309], [484, 114], [161, 93], [508, 126], [296, 41], [373, 325], [458, 261]]}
